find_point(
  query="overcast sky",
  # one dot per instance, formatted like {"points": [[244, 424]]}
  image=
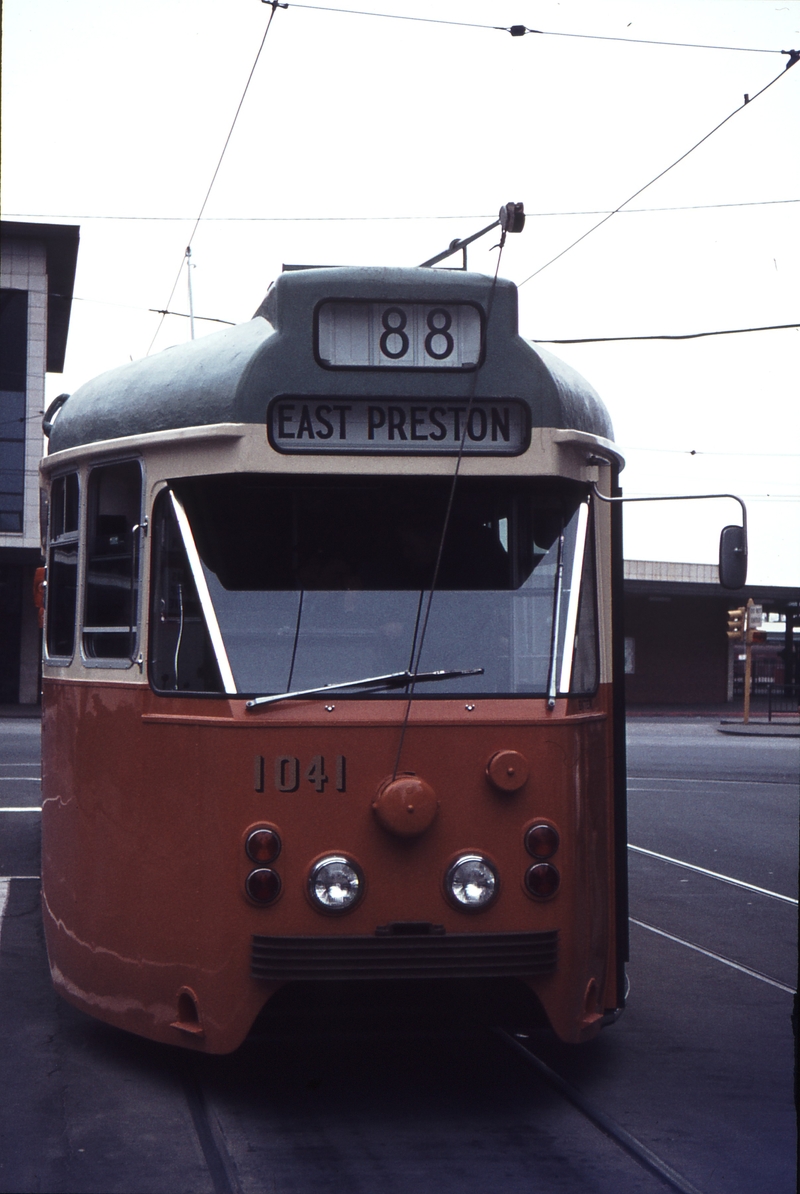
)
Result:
{"points": [[364, 140]]}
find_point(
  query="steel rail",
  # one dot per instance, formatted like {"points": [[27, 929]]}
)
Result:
{"points": [[640, 1152], [221, 1166]]}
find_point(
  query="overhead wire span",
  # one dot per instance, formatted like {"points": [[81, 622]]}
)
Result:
{"points": [[748, 100], [184, 315], [703, 452], [521, 30], [772, 327], [483, 215], [274, 5]]}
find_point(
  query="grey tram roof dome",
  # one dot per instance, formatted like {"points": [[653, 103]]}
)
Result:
{"points": [[231, 376]]}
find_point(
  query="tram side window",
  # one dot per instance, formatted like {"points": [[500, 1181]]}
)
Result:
{"points": [[111, 600], [182, 657], [62, 565]]}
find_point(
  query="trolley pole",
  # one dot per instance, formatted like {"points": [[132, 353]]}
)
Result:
{"points": [[748, 657], [189, 282]]}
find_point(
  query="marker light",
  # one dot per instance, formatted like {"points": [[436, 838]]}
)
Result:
{"points": [[471, 882], [263, 845], [335, 883], [263, 885], [542, 880], [541, 841]]}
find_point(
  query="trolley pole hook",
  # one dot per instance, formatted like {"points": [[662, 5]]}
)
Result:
{"points": [[511, 219]]}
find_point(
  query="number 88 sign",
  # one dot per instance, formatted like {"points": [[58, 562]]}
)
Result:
{"points": [[398, 335]]}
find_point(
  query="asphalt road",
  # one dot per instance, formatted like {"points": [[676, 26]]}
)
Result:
{"points": [[408, 1089]]}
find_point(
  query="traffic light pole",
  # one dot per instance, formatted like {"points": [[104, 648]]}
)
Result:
{"points": [[748, 658]]}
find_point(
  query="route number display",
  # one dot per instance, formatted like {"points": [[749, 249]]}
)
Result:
{"points": [[353, 335]]}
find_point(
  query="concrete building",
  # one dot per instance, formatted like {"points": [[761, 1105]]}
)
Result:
{"points": [[677, 649], [37, 275]]}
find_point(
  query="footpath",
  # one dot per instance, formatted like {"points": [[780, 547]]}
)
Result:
{"points": [[731, 720]]}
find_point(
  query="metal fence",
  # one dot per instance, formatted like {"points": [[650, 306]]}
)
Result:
{"points": [[783, 698]]}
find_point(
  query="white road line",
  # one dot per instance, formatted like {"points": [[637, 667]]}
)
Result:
{"points": [[701, 870], [676, 779], [20, 779], [660, 791], [773, 982], [4, 882], [20, 808]]}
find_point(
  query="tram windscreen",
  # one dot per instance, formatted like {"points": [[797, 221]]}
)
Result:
{"points": [[319, 581]]}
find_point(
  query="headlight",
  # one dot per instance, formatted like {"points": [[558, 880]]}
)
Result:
{"points": [[471, 882], [335, 884]]}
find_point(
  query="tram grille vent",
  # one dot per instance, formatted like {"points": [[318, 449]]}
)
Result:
{"points": [[455, 955]]}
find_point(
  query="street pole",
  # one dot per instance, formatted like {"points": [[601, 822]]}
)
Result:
{"points": [[748, 658]]}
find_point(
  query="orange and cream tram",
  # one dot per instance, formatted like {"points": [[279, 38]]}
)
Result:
{"points": [[331, 673]]}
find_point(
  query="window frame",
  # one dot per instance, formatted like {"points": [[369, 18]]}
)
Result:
{"points": [[138, 532], [63, 539]]}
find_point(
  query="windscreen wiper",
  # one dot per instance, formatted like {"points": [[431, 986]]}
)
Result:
{"points": [[391, 680]]}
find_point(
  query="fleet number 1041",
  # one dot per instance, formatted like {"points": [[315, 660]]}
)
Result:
{"points": [[289, 772]]}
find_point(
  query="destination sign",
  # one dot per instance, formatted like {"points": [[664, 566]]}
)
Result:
{"points": [[428, 426], [352, 335]]}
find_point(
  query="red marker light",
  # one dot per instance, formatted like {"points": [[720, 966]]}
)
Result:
{"points": [[263, 886], [542, 880], [263, 845], [541, 841]]}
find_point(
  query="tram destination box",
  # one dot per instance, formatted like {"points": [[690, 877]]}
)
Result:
{"points": [[496, 427]]}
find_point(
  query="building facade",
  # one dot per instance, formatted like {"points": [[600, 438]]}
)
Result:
{"points": [[676, 644], [37, 275]]}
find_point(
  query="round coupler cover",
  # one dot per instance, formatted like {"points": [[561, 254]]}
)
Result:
{"points": [[406, 806], [507, 770]]}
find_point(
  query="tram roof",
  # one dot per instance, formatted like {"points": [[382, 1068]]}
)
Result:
{"points": [[231, 376]]}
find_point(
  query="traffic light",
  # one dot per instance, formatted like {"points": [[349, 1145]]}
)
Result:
{"points": [[736, 624]]}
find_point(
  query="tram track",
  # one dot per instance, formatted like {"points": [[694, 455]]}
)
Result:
{"points": [[222, 1151], [603, 1122], [219, 1162], [223, 1171]]}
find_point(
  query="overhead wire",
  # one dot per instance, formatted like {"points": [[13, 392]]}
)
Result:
{"points": [[521, 30], [703, 452], [484, 215], [274, 5], [772, 327], [748, 100]]}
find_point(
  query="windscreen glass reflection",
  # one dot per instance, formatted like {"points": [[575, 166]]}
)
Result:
{"points": [[318, 581]]}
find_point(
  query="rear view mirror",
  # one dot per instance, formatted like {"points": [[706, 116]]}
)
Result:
{"points": [[733, 557]]}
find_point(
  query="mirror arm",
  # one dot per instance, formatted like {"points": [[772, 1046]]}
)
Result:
{"points": [[677, 497]]}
